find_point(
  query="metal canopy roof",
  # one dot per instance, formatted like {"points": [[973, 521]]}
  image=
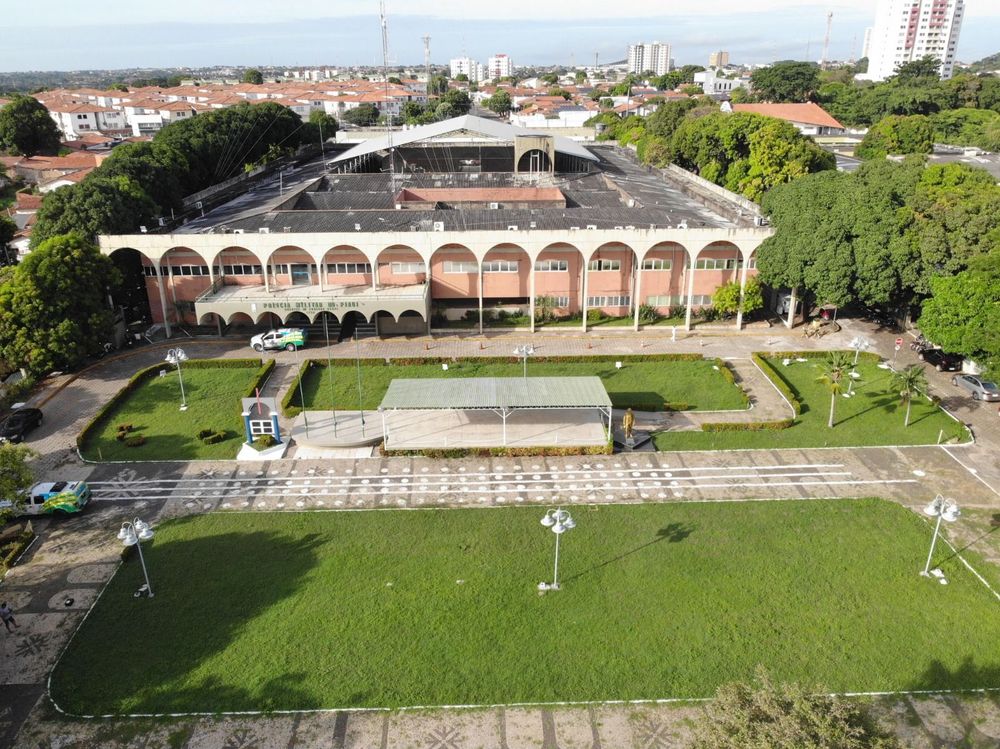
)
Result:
{"points": [[469, 123], [470, 393]]}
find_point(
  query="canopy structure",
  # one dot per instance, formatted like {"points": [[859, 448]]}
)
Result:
{"points": [[504, 396], [466, 126]]}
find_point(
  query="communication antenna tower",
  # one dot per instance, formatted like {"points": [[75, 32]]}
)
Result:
{"points": [[427, 58], [388, 115], [826, 40]]}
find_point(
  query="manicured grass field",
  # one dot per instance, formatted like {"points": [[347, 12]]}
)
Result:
{"points": [[874, 416], [694, 383], [391, 608], [153, 410]]}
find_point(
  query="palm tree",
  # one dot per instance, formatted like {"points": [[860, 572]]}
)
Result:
{"points": [[909, 383], [834, 371]]}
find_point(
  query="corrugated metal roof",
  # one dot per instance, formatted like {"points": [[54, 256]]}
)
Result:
{"points": [[470, 123], [469, 393]]}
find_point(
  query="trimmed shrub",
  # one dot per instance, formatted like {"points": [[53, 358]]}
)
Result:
{"points": [[205, 433], [779, 382], [213, 437], [136, 441], [125, 428], [748, 426], [13, 549], [263, 442]]}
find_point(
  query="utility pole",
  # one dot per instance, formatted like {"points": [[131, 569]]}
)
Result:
{"points": [[826, 41], [388, 114]]}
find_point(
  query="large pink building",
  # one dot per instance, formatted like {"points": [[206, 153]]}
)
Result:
{"points": [[456, 220]]}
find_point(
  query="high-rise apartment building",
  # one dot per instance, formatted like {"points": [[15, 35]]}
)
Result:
{"points": [[499, 66], [907, 30], [718, 59], [643, 57], [469, 67]]}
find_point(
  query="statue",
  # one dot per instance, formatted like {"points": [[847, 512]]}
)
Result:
{"points": [[628, 421]]}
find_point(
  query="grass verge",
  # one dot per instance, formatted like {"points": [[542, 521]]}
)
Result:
{"points": [[393, 608]]}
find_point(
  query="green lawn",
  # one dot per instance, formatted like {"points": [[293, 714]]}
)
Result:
{"points": [[392, 608], [153, 409], [874, 416], [694, 383]]}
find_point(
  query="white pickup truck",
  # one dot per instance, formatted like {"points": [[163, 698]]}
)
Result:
{"points": [[289, 339]]}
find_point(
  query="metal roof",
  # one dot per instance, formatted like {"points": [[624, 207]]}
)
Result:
{"points": [[470, 393], [468, 123]]}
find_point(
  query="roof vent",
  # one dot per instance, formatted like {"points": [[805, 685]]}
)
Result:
{"points": [[263, 230], [357, 227], [237, 231], [286, 229], [591, 226], [494, 206], [512, 227], [619, 228], [574, 228], [143, 229], [630, 228], [533, 225], [439, 226]]}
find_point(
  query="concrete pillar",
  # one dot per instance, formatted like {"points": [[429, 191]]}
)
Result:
{"points": [[267, 272], [690, 293], [637, 293], [586, 290], [163, 297], [790, 322], [218, 323], [430, 299], [322, 275], [480, 288], [743, 288], [531, 293]]}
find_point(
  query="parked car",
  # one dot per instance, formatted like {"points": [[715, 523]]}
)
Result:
{"points": [[941, 360], [19, 423], [54, 498], [982, 390]]}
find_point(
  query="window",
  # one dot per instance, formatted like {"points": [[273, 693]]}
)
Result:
{"points": [[280, 269], [657, 263], [715, 263], [558, 302], [401, 268], [609, 301], [261, 426], [241, 270], [455, 266], [184, 270], [348, 269], [149, 270], [605, 265], [547, 266], [500, 266]]}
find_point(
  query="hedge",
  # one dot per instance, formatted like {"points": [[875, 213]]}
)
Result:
{"points": [[729, 376], [748, 426], [149, 373], [499, 452], [779, 382], [11, 551]]}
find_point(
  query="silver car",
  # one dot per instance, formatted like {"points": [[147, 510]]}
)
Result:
{"points": [[982, 390]]}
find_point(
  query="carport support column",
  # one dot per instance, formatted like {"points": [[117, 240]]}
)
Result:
{"points": [[790, 322], [163, 297], [690, 294], [743, 291]]}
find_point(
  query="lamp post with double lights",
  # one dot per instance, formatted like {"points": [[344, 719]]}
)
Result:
{"points": [[558, 521], [133, 534], [859, 344], [942, 509], [524, 351], [175, 356]]}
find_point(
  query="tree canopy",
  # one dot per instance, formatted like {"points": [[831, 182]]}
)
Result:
{"points": [[253, 76], [500, 102], [897, 136], [54, 308], [26, 128], [787, 81], [16, 476], [101, 205]]}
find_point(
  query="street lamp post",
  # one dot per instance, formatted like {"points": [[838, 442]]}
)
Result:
{"points": [[133, 534], [942, 509], [559, 521], [859, 344], [175, 356], [524, 351]]}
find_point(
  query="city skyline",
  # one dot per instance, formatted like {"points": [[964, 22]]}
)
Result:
{"points": [[354, 39]]}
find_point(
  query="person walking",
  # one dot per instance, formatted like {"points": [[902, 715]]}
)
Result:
{"points": [[7, 614]]}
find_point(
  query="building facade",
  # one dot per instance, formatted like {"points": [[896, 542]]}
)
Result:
{"points": [[499, 66], [654, 57], [719, 59], [907, 30], [469, 67]]}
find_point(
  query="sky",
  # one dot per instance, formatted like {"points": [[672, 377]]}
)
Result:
{"points": [[197, 33]]}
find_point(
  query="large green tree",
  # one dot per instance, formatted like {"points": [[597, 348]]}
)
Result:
{"points": [[26, 128], [364, 115], [101, 205], [320, 125], [927, 69], [500, 102], [7, 231], [16, 477], [458, 100], [54, 308], [786, 81], [896, 136], [765, 715], [253, 76]]}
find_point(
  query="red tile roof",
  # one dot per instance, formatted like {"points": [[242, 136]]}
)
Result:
{"points": [[807, 114]]}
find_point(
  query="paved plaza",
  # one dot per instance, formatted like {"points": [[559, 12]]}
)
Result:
{"points": [[72, 559]]}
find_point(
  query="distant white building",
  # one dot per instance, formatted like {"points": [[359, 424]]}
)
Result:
{"points": [[643, 57], [74, 119], [469, 67], [907, 30], [499, 66], [713, 83], [718, 59], [867, 45]]}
